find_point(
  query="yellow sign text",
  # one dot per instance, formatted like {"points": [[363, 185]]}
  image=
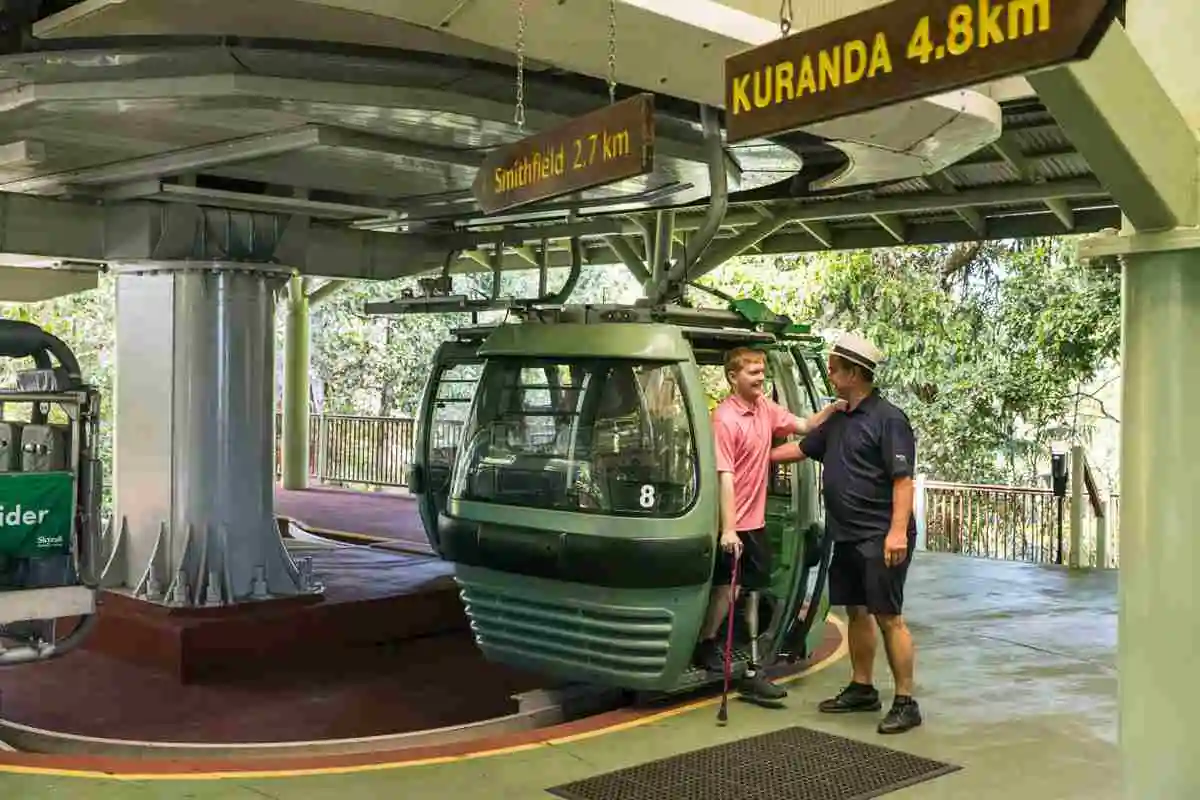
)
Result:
{"points": [[841, 65], [986, 23], [557, 160], [966, 28]]}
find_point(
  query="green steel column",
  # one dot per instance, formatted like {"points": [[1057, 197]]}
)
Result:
{"points": [[1159, 637], [295, 387]]}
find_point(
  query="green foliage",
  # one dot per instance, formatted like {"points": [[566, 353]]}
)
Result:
{"points": [[989, 345], [378, 365]]}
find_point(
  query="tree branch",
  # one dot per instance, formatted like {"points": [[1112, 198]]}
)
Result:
{"points": [[1099, 403], [963, 256]]}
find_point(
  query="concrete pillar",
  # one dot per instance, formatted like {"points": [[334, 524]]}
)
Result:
{"points": [[296, 387], [1159, 640], [194, 448]]}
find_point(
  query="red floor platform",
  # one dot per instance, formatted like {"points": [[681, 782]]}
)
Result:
{"points": [[385, 649], [424, 683], [371, 597]]}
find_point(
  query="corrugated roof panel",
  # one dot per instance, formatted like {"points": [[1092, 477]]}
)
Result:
{"points": [[1069, 165], [1041, 139], [978, 175]]}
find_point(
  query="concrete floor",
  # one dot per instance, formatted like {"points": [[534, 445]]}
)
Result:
{"points": [[1016, 674]]}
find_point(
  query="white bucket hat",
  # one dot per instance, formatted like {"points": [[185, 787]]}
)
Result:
{"points": [[858, 350]]}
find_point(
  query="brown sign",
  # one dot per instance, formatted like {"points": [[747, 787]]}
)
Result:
{"points": [[608, 145], [902, 50]]}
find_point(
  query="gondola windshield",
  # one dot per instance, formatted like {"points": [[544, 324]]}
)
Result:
{"points": [[602, 436]]}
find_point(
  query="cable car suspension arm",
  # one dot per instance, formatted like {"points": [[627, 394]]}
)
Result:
{"points": [[672, 285]]}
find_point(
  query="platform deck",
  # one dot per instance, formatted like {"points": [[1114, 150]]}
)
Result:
{"points": [[391, 686], [1016, 672]]}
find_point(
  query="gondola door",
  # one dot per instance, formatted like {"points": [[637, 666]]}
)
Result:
{"points": [[440, 423], [802, 635], [786, 522]]}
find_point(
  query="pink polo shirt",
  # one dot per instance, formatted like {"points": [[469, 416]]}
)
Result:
{"points": [[744, 433]]}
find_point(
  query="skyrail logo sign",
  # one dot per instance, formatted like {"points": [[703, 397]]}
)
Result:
{"points": [[35, 514]]}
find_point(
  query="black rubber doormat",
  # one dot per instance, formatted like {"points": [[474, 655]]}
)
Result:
{"points": [[791, 764]]}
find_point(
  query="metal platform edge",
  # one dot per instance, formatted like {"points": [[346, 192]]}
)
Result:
{"points": [[542, 708]]}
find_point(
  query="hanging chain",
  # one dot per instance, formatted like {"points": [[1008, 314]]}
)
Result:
{"points": [[785, 17], [612, 51], [519, 117]]}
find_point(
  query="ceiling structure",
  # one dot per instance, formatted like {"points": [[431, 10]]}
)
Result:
{"points": [[369, 118]]}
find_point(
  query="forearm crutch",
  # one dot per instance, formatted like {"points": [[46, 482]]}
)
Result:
{"points": [[723, 713]]}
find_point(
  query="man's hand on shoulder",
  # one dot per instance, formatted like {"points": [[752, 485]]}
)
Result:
{"points": [[840, 405]]}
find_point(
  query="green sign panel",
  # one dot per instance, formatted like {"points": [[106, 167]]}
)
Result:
{"points": [[35, 513]]}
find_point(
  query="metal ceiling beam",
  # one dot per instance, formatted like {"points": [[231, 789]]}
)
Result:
{"points": [[812, 214], [632, 260], [814, 211], [974, 220], [1011, 226], [39, 227], [45, 228], [893, 224], [26, 285], [942, 183], [1147, 158], [179, 193], [725, 249], [240, 150], [1061, 209], [819, 231], [176, 162]]}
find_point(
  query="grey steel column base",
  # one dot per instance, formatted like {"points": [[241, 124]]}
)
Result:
{"points": [[195, 440]]}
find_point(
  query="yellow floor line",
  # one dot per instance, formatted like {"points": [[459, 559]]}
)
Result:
{"points": [[839, 653]]}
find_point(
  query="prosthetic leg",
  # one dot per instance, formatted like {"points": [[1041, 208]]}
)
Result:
{"points": [[755, 687]]}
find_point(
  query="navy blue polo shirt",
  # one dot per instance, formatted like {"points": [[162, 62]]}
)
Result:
{"points": [[863, 451]]}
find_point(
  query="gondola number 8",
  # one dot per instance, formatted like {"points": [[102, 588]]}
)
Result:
{"points": [[646, 498]]}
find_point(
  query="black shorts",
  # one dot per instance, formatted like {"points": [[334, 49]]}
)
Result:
{"points": [[754, 566], [858, 576]]}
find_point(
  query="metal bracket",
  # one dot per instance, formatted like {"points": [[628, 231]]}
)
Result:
{"points": [[1110, 244]]}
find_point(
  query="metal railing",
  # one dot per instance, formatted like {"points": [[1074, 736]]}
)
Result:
{"points": [[1001, 522], [1012, 523], [1004, 522], [360, 450]]}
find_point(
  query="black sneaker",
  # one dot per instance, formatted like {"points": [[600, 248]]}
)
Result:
{"points": [[710, 656], [904, 715], [759, 688], [855, 697]]}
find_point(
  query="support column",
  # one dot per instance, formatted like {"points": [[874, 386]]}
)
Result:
{"points": [[1159, 640], [194, 474], [296, 387]]}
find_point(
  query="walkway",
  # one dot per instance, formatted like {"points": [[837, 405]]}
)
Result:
{"points": [[1016, 671]]}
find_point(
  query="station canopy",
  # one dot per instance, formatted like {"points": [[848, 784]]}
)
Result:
{"points": [[375, 118]]}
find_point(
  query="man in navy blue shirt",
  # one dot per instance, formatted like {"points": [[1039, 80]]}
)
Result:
{"points": [[868, 452]]}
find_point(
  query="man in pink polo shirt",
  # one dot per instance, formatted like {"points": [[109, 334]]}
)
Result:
{"points": [[745, 424]]}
